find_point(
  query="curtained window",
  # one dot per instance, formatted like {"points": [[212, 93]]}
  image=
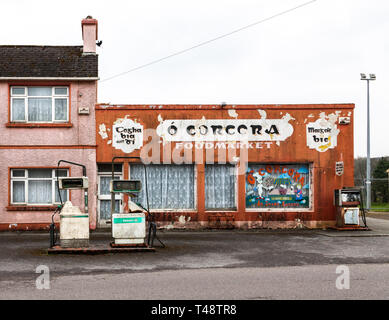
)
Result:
{"points": [[220, 187], [39, 104], [169, 186], [36, 186]]}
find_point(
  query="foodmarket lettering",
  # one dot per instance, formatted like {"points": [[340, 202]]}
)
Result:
{"points": [[224, 145]]}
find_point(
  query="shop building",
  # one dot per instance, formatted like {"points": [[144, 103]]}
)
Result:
{"points": [[228, 166], [217, 166], [47, 98]]}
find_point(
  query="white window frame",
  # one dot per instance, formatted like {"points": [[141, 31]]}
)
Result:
{"points": [[25, 179], [53, 96]]}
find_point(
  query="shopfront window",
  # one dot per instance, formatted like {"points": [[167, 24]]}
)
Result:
{"points": [[220, 187], [275, 186], [169, 186]]}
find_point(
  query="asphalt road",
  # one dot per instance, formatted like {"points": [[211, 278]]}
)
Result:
{"points": [[262, 264], [368, 281]]}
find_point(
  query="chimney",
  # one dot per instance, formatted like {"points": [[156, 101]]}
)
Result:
{"points": [[89, 34]]}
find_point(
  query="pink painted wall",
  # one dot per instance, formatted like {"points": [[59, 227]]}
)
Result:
{"points": [[81, 133], [46, 157], [18, 148]]}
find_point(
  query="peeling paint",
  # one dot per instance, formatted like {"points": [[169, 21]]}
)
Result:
{"points": [[183, 219], [232, 113], [262, 114], [103, 131]]}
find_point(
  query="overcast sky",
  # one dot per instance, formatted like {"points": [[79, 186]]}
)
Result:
{"points": [[314, 54]]}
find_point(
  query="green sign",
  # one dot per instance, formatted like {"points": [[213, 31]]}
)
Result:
{"points": [[129, 220]]}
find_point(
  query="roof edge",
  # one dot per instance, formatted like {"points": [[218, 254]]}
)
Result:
{"points": [[106, 106], [51, 78]]}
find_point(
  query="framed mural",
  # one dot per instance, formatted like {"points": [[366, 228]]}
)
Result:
{"points": [[278, 186]]}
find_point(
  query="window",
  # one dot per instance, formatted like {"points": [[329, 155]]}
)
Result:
{"points": [[40, 104], [36, 186], [169, 186], [278, 186], [104, 195], [220, 187]]}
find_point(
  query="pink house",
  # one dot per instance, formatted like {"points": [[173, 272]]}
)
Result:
{"points": [[47, 98]]}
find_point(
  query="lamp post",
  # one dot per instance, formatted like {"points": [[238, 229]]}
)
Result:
{"points": [[372, 77]]}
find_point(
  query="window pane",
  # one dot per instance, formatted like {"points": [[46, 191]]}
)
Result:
{"points": [[19, 91], [104, 185], [61, 91], [18, 173], [18, 109], [60, 173], [105, 209], [40, 91], [169, 186], [107, 167], [39, 109], [277, 186], [18, 194], [39, 173], [40, 191], [61, 109], [219, 187], [64, 194]]}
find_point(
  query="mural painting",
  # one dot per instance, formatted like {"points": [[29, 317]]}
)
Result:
{"points": [[277, 186]]}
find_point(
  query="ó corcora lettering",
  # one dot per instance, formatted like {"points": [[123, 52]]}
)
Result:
{"points": [[221, 130]]}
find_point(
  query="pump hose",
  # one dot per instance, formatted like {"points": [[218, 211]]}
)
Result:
{"points": [[153, 232], [53, 229]]}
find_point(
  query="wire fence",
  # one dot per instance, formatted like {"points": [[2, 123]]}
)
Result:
{"points": [[379, 193]]}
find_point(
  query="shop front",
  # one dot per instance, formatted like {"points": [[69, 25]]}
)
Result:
{"points": [[228, 166]]}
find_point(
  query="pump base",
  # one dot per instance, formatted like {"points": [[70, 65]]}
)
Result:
{"points": [[128, 245], [74, 243], [98, 250], [350, 228]]}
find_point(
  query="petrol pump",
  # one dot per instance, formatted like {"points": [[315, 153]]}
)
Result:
{"points": [[349, 207], [129, 229], [74, 224]]}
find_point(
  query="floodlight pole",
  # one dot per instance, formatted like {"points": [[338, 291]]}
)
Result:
{"points": [[368, 164]]}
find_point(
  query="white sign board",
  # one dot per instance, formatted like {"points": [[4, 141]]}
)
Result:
{"points": [[127, 135], [322, 135], [225, 130]]}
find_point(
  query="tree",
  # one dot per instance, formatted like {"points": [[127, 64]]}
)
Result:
{"points": [[380, 188]]}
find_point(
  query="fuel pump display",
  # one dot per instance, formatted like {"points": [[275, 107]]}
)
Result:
{"points": [[349, 208]]}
